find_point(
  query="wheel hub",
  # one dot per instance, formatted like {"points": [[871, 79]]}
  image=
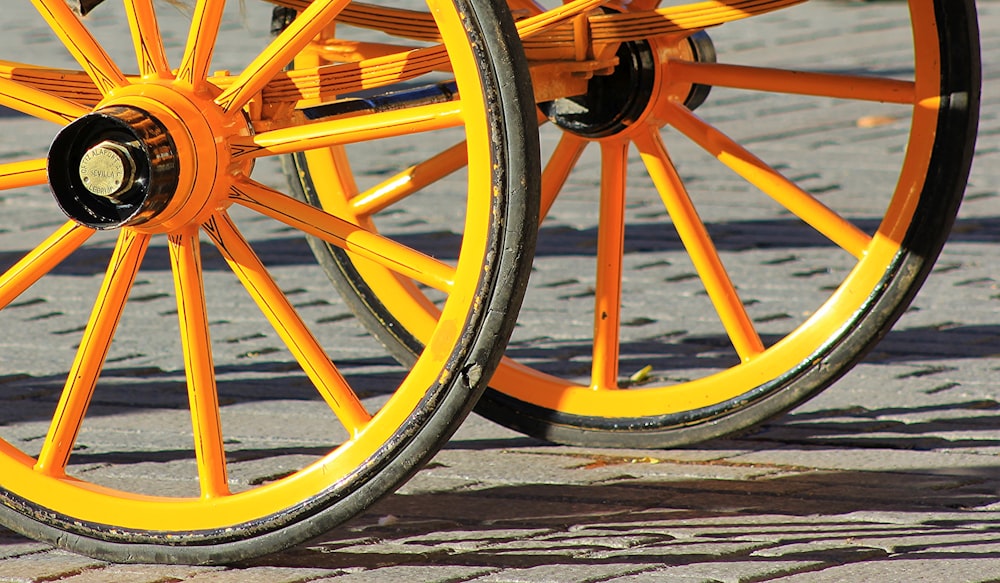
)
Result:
{"points": [[615, 102], [612, 102], [156, 158], [117, 166]]}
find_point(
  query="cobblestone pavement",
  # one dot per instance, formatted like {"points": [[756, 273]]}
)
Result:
{"points": [[890, 475]]}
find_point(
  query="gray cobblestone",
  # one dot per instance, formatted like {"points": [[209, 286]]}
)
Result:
{"points": [[47, 566], [890, 475]]}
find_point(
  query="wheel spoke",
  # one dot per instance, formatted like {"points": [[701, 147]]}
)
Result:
{"points": [[288, 324], [22, 174], [858, 87], [41, 260], [557, 170], [414, 178], [610, 248], [201, 39], [280, 52], [81, 44], [799, 202], [199, 367], [37, 103], [92, 353], [74, 88], [146, 38], [699, 246], [374, 126], [336, 231]]}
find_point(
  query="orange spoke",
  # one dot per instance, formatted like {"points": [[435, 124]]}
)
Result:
{"points": [[558, 168], [414, 178], [185, 258], [350, 130], [41, 260], [37, 103], [201, 42], [799, 202], [336, 231], [699, 246], [73, 89], [280, 52], [859, 87], [288, 324], [146, 38], [610, 248], [81, 44], [92, 353], [22, 174]]}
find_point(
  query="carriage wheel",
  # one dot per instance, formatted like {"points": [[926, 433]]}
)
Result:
{"points": [[162, 160], [720, 302]]}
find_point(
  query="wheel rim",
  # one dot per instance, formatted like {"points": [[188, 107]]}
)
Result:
{"points": [[761, 366], [208, 146]]}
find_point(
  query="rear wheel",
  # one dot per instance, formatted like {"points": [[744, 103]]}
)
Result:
{"points": [[282, 449], [721, 299]]}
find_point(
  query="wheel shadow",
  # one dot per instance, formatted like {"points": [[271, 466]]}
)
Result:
{"points": [[628, 524], [553, 241]]}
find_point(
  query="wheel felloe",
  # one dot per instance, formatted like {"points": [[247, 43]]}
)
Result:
{"points": [[115, 167]]}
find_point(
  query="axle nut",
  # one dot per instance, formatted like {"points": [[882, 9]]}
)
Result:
{"points": [[107, 170]]}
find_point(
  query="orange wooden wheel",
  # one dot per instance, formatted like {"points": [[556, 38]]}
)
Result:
{"points": [[701, 271], [159, 151]]}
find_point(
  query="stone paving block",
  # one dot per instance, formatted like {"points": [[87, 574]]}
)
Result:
{"points": [[459, 540], [722, 527], [873, 460], [410, 574], [935, 540], [494, 508], [263, 575], [827, 551], [141, 574], [681, 551], [906, 569], [48, 566], [13, 545], [561, 573], [725, 571], [426, 482]]}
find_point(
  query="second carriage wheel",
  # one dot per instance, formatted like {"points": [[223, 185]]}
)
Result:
{"points": [[181, 397], [729, 179]]}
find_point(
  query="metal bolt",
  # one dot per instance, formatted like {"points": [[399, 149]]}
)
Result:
{"points": [[107, 170]]}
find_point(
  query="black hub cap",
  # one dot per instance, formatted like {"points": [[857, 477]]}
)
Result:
{"points": [[114, 167], [616, 101], [612, 102]]}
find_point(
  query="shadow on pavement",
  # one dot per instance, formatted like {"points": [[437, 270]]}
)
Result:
{"points": [[554, 241], [826, 516]]}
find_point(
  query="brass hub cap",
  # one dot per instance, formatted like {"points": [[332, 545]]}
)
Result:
{"points": [[108, 170]]}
